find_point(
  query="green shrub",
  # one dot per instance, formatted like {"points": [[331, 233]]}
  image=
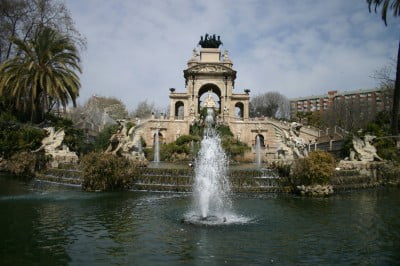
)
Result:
{"points": [[196, 130], [105, 171], [282, 168], [389, 173], [149, 153], [185, 139], [224, 131], [317, 168], [233, 147], [172, 152], [16, 137], [179, 150], [102, 140], [386, 148], [26, 164]]}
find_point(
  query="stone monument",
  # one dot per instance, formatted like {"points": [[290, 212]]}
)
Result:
{"points": [[292, 146], [53, 146], [126, 143], [362, 154]]}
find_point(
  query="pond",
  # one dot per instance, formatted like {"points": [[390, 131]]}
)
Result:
{"points": [[48, 224]]}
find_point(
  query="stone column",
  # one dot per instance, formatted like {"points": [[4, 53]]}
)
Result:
{"points": [[246, 111], [171, 110]]}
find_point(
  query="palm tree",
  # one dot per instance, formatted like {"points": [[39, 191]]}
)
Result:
{"points": [[42, 74], [395, 6]]}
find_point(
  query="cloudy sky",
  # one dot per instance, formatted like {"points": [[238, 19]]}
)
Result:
{"points": [[137, 49]]}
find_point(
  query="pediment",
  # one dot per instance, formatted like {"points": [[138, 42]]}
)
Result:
{"points": [[209, 69]]}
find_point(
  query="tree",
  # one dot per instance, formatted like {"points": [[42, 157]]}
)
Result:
{"points": [[21, 19], [42, 74], [97, 113], [271, 104], [114, 107], [351, 115], [310, 118], [385, 76], [393, 5], [144, 110]]}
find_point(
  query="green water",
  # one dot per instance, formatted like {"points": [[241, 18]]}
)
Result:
{"points": [[43, 224]]}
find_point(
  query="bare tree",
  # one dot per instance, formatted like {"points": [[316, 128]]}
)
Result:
{"points": [[144, 110], [98, 112], [114, 107], [20, 18], [350, 114], [385, 75], [271, 104], [343, 113]]}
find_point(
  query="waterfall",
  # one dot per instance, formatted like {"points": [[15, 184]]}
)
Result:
{"points": [[140, 146], [156, 147], [258, 151]]}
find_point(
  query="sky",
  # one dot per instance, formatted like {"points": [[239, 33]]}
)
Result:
{"points": [[138, 49]]}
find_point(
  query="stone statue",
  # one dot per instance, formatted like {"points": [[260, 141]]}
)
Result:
{"points": [[209, 102], [291, 144], [53, 146], [53, 141], [194, 55], [226, 110], [363, 150], [259, 127], [210, 41], [125, 143], [191, 108], [225, 56], [239, 135], [117, 139]]}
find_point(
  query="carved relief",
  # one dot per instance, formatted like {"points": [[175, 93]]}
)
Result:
{"points": [[210, 68]]}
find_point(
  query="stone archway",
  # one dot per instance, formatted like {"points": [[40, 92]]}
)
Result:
{"points": [[215, 92], [179, 110], [239, 111], [262, 142]]}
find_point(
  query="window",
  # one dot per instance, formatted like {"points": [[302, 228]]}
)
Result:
{"points": [[179, 110]]}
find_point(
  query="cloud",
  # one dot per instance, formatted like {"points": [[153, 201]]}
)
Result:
{"points": [[138, 49]]}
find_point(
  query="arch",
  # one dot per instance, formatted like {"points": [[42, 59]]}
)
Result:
{"points": [[262, 142], [160, 138], [215, 92], [179, 110], [239, 111]]}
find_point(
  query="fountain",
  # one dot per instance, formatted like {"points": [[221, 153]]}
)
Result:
{"points": [[156, 148], [139, 146], [258, 151], [211, 190]]}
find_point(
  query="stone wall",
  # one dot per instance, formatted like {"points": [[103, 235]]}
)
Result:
{"points": [[153, 179]]}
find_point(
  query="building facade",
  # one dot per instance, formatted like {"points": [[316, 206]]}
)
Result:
{"points": [[365, 101], [210, 74]]}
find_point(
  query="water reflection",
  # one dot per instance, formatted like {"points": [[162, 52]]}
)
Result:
{"points": [[56, 226]]}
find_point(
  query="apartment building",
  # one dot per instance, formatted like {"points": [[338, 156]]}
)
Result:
{"points": [[365, 101]]}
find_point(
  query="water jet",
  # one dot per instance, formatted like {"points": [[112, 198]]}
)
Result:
{"points": [[211, 202]]}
